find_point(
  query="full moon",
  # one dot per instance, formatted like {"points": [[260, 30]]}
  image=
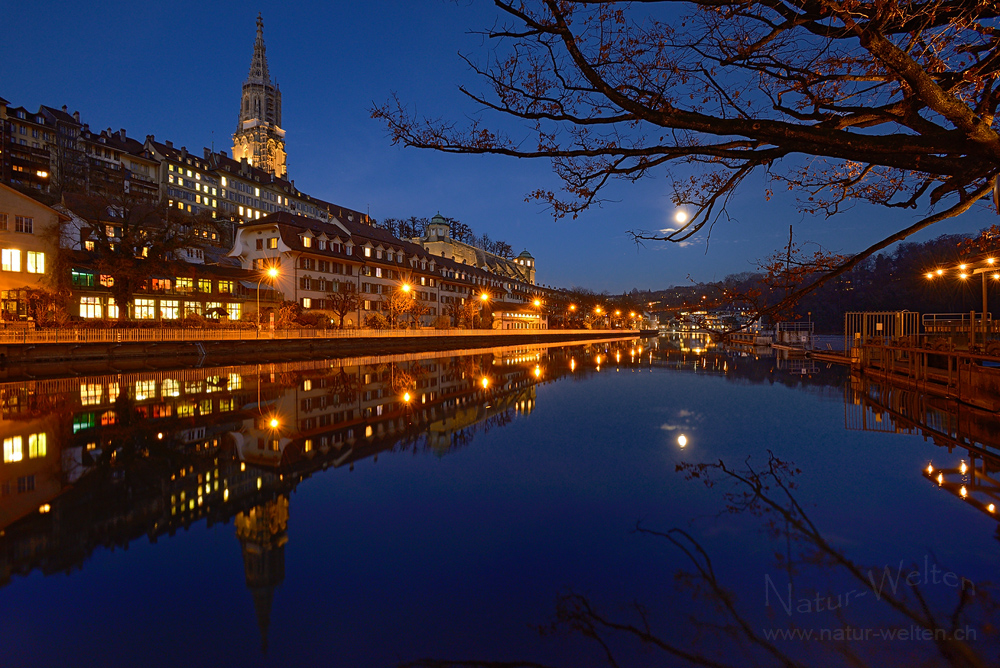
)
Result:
{"points": [[681, 216]]}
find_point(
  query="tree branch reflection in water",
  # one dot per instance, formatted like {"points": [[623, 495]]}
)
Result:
{"points": [[732, 636]]}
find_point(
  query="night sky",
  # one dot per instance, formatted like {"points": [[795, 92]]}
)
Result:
{"points": [[175, 70]]}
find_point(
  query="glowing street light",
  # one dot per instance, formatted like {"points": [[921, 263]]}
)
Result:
{"points": [[274, 423], [406, 397], [485, 382], [484, 297], [538, 302], [406, 287]]}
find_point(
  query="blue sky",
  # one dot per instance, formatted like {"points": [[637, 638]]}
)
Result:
{"points": [[175, 70]]}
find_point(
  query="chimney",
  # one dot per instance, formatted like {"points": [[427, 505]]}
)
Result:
{"points": [[65, 110], [208, 153], [121, 134], [169, 144], [76, 116], [223, 154], [184, 152]]}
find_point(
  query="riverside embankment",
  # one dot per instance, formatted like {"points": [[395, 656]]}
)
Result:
{"points": [[32, 354]]}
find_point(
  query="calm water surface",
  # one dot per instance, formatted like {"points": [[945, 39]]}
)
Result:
{"points": [[383, 511]]}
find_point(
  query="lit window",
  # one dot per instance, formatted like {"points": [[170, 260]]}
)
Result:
{"points": [[36, 445], [256, 192], [170, 388], [10, 260], [112, 308], [209, 309], [368, 252], [224, 182], [88, 245], [90, 307], [235, 381], [145, 309], [307, 385], [306, 302], [226, 287], [90, 394], [13, 449], [272, 242], [36, 262], [106, 280], [307, 242], [184, 284], [169, 309], [235, 311], [77, 277]]}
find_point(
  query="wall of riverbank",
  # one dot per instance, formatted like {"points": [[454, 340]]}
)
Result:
{"points": [[41, 359]]}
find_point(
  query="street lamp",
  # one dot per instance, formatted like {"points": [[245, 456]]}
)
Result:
{"points": [[270, 274]]}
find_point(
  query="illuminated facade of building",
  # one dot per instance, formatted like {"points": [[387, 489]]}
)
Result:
{"points": [[259, 138], [27, 249], [314, 259]]}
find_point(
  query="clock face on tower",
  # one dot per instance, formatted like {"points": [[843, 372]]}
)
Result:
{"points": [[259, 138]]}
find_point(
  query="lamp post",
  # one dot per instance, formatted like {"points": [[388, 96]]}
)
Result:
{"points": [[407, 289], [270, 274]]}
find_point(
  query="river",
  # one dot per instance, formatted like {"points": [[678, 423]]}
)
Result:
{"points": [[494, 507]]}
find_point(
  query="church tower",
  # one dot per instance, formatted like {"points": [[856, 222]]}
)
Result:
{"points": [[259, 137]]}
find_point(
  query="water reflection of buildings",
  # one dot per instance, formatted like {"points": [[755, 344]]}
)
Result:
{"points": [[972, 476], [99, 462]]}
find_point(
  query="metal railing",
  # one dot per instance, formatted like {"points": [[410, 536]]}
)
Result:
{"points": [[165, 335], [869, 326], [950, 319]]}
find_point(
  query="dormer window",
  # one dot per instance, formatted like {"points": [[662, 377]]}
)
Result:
{"points": [[307, 242], [322, 244], [378, 255], [368, 251]]}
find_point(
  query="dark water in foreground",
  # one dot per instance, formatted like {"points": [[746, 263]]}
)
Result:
{"points": [[375, 512]]}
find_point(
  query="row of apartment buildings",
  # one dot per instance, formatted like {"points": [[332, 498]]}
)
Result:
{"points": [[52, 152], [280, 257]]}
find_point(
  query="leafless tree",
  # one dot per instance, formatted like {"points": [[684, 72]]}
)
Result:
{"points": [[893, 102]]}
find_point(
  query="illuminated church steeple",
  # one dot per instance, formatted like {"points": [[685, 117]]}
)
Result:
{"points": [[259, 137]]}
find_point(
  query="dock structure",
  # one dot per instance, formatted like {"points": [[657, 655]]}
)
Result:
{"points": [[956, 356]]}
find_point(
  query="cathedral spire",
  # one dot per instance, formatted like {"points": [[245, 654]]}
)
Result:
{"points": [[258, 64], [259, 138]]}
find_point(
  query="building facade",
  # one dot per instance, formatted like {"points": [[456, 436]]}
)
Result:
{"points": [[28, 247], [259, 137]]}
